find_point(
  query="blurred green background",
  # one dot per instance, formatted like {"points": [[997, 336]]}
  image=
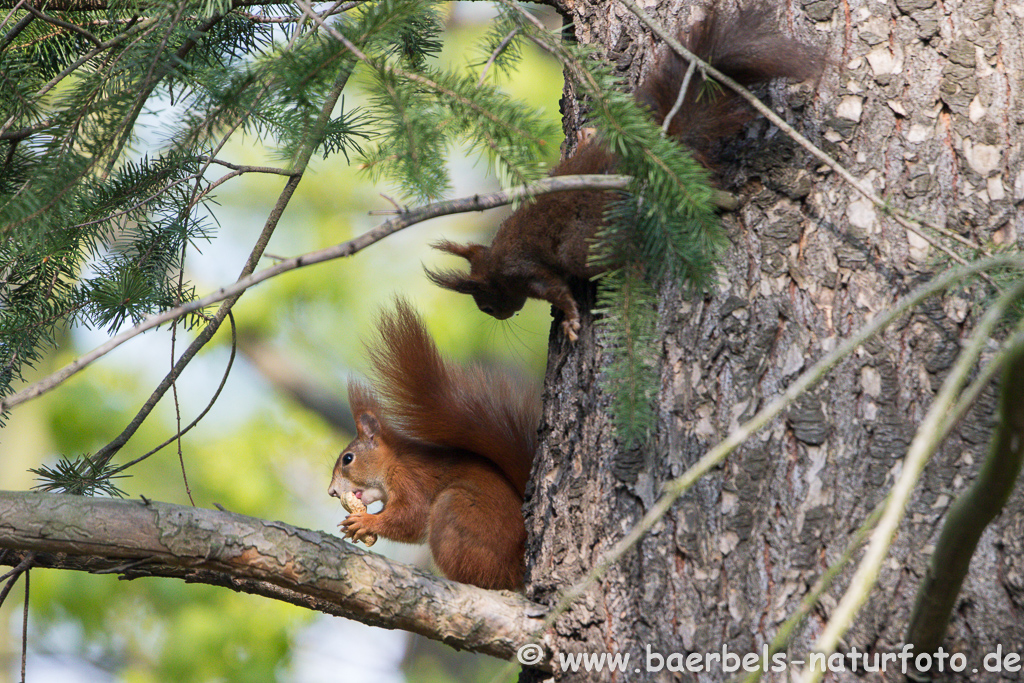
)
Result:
{"points": [[259, 452]]}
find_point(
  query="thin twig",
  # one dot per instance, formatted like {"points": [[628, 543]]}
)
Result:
{"points": [[22, 133], [976, 506], [200, 416], [64, 24], [399, 209], [10, 15], [15, 30], [24, 627], [679, 98], [174, 384], [9, 585], [122, 568], [338, 8], [25, 563], [244, 168], [494, 55], [785, 632]]}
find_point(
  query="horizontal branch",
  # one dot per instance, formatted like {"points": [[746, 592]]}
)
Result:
{"points": [[399, 222], [311, 569]]}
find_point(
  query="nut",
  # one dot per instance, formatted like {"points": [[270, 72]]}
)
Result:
{"points": [[351, 503]]}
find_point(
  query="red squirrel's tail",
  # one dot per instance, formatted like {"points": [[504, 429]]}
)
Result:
{"points": [[431, 400], [746, 46]]}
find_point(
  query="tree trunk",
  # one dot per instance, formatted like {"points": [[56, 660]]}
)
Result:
{"points": [[921, 101]]}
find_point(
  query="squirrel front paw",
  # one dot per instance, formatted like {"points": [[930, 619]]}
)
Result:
{"points": [[359, 527], [570, 328]]}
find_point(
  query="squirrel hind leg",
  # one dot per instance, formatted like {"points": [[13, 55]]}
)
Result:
{"points": [[476, 539]]}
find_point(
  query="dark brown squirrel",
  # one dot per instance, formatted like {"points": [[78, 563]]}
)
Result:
{"points": [[543, 245], [447, 449]]}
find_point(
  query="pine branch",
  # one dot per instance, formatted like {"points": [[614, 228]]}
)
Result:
{"points": [[664, 230], [104, 455], [103, 5], [628, 320], [415, 131], [64, 163], [82, 477], [63, 24], [230, 293], [135, 221]]}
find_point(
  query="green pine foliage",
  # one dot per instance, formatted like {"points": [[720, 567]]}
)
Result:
{"points": [[663, 230], [95, 230], [83, 477], [417, 124], [628, 320], [500, 45], [92, 233]]}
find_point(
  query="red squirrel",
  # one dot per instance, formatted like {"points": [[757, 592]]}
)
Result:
{"points": [[447, 449], [543, 245]]}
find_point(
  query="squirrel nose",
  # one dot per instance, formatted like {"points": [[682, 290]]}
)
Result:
{"points": [[333, 491]]}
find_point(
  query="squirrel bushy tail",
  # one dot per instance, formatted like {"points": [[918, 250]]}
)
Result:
{"points": [[431, 400], [746, 46]]}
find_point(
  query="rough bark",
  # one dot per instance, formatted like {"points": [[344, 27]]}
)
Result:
{"points": [[923, 101], [308, 568]]}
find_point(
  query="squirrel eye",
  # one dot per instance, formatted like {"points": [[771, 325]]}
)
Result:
{"points": [[347, 458]]}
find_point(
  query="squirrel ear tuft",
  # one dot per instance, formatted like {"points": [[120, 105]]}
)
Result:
{"points": [[367, 425], [362, 399], [467, 251], [365, 409], [454, 280]]}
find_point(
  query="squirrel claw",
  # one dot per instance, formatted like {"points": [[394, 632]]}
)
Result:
{"points": [[570, 328], [357, 526]]}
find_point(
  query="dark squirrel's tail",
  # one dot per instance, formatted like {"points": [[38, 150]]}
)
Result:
{"points": [[434, 401], [748, 47]]}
